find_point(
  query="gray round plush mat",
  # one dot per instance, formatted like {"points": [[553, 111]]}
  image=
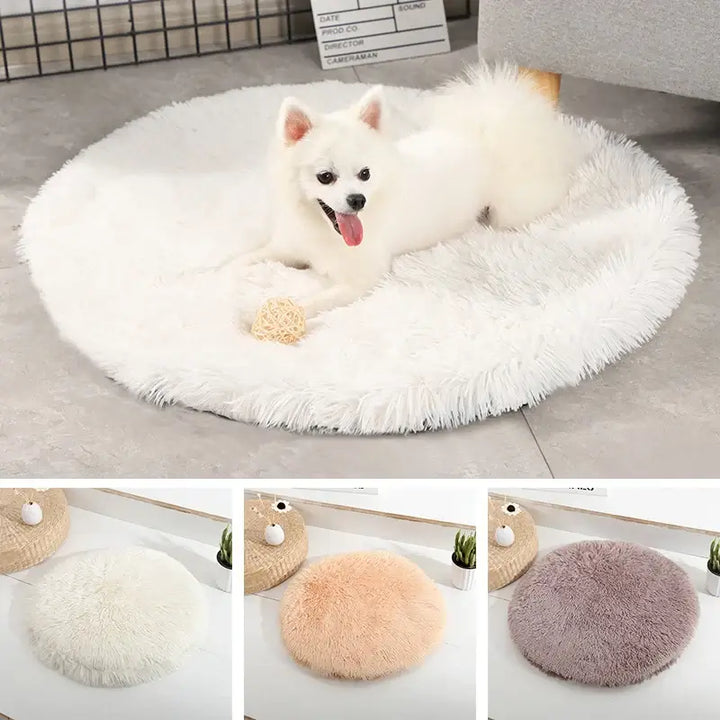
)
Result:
{"points": [[603, 613]]}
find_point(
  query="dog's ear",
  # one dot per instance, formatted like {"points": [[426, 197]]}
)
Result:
{"points": [[294, 121], [371, 107]]}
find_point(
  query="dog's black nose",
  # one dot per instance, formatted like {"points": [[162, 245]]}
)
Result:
{"points": [[356, 202]]}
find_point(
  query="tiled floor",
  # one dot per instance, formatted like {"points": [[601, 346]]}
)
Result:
{"points": [[655, 413]]}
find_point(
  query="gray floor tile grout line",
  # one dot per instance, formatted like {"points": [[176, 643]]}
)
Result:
{"points": [[534, 437]]}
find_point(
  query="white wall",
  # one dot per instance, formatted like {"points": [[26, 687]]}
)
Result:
{"points": [[688, 507], [215, 501], [431, 503], [134, 507]]}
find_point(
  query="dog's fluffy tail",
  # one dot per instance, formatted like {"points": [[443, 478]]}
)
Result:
{"points": [[529, 150]]}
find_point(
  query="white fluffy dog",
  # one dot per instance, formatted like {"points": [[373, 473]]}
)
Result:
{"points": [[347, 198]]}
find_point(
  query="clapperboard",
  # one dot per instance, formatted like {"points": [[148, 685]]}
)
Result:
{"points": [[358, 32]]}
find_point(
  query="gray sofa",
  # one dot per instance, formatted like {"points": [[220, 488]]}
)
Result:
{"points": [[670, 45]]}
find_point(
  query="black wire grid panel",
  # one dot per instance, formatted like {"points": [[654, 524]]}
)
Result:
{"points": [[54, 37]]}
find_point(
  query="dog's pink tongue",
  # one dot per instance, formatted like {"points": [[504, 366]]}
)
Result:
{"points": [[350, 227]]}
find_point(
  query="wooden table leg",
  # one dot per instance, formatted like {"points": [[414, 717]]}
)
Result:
{"points": [[547, 82]]}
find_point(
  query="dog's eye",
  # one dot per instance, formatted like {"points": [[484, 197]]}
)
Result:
{"points": [[326, 177], [364, 174]]}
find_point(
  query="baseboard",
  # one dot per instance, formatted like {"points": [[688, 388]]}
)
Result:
{"points": [[663, 536], [360, 521], [165, 517]]}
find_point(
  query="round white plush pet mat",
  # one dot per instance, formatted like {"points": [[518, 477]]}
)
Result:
{"points": [[122, 243], [113, 618]]}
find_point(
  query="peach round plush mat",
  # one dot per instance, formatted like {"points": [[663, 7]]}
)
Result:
{"points": [[603, 613], [362, 615]]}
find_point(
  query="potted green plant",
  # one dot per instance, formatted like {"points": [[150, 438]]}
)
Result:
{"points": [[463, 560], [224, 558], [712, 581]]}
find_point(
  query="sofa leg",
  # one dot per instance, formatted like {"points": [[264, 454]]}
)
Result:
{"points": [[547, 82]]}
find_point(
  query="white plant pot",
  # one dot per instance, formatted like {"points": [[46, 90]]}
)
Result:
{"points": [[224, 577], [712, 583], [462, 578], [31, 513], [274, 534]]}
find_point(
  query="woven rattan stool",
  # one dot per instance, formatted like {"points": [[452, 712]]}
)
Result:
{"points": [[269, 565], [22, 546], [507, 564]]}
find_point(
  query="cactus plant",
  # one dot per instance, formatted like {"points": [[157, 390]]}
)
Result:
{"points": [[225, 554], [465, 550], [714, 559]]}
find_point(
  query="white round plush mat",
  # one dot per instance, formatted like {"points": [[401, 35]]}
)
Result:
{"points": [[113, 618], [123, 241]]}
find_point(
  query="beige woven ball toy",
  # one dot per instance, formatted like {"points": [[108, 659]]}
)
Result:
{"points": [[279, 319]]}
